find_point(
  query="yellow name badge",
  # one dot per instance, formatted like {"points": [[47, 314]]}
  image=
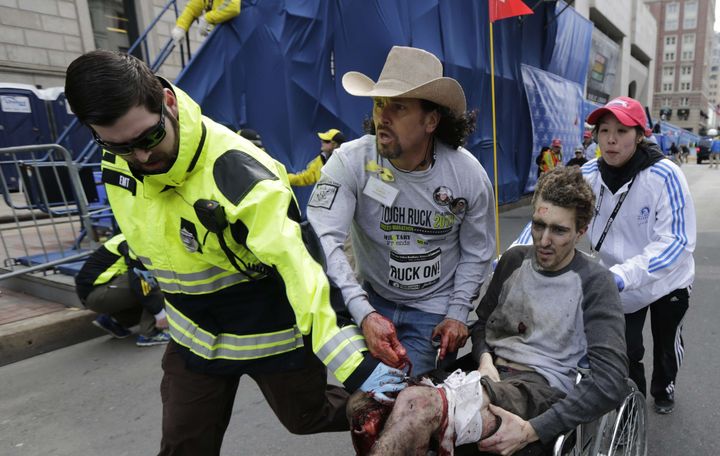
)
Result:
{"points": [[383, 173], [380, 191]]}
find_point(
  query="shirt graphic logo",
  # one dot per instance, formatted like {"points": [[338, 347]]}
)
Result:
{"points": [[617, 101], [644, 215], [443, 196], [323, 196]]}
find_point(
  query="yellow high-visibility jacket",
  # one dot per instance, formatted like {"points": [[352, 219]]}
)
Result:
{"points": [[225, 321], [310, 174], [216, 11]]}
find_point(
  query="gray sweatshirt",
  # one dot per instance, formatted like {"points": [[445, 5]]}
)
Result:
{"points": [[548, 321], [429, 248]]}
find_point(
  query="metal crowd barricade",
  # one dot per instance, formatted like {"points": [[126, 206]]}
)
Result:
{"points": [[55, 216]]}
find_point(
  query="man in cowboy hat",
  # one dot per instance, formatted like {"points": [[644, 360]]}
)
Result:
{"points": [[419, 208]]}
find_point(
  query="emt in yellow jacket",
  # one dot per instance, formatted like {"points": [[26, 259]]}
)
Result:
{"points": [[208, 12], [330, 140], [215, 220]]}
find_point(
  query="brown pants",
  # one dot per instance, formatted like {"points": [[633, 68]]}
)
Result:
{"points": [[197, 407], [116, 299]]}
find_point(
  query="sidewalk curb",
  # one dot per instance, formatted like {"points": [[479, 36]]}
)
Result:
{"points": [[33, 336]]}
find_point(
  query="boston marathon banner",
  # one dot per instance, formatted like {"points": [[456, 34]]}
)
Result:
{"points": [[556, 111]]}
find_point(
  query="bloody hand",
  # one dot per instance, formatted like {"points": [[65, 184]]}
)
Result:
{"points": [[382, 340], [452, 333]]}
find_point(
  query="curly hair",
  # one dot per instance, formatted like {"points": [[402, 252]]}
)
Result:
{"points": [[452, 129], [565, 187]]}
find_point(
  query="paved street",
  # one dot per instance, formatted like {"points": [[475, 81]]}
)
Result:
{"points": [[102, 396]]}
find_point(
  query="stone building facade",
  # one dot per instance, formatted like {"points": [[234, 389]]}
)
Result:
{"points": [[684, 39], [39, 38]]}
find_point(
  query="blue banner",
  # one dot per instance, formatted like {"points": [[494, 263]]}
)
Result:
{"points": [[556, 111]]}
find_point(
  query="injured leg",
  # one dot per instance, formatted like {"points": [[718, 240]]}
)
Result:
{"points": [[417, 415], [420, 419], [367, 418]]}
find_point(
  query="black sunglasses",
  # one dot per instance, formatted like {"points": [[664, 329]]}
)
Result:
{"points": [[151, 138]]}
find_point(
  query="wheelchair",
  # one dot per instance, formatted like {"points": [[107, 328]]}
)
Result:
{"points": [[620, 432]]}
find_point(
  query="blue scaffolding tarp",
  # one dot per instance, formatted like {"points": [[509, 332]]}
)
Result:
{"points": [[277, 68]]}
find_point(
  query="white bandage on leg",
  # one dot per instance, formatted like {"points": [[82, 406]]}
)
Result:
{"points": [[465, 397]]}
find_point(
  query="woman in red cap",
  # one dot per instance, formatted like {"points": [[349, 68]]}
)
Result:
{"points": [[644, 232]]}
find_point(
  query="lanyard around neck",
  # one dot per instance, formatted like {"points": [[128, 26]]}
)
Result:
{"points": [[612, 216]]}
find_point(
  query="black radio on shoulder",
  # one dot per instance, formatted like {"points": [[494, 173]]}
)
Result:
{"points": [[211, 214]]}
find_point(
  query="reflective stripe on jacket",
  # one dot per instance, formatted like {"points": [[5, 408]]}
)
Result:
{"points": [[215, 312]]}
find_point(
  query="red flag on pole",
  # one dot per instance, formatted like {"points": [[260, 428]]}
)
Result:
{"points": [[501, 9]]}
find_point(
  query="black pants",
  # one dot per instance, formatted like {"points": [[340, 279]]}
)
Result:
{"points": [[666, 317], [197, 407]]}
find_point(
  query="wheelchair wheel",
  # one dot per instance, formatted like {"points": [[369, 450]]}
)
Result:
{"points": [[623, 432]]}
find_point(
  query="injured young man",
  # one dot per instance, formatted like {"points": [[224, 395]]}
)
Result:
{"points": [[547, 306]]}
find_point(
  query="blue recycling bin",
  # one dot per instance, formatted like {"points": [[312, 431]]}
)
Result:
{"points": [[23, 121]]}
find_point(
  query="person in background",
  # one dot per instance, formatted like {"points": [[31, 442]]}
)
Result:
{"points": [[208, 13], [550, 157], [579, 158], [252, 136], [714, 148], [419, 208], [556, 147], [590, 147], [684, 153], [539, 159], [675, 153], [329, 141], [113, 283]]}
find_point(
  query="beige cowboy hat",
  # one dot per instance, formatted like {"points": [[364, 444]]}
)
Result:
{"points": [[409, 73]]}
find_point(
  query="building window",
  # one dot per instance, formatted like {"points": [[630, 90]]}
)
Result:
{"points": [[114, 24], [670, 40], [688, 46], [669, 56], [686, 70], [672, 16], [684, 101], [685, 86], [690, 15], [668, 71], [667, 87]]}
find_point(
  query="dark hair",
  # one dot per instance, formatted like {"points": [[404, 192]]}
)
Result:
{"points": [[453, 130], [565, 187], [102, 86]]}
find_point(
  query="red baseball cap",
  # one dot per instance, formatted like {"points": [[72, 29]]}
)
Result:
{"points": [[628, 112], [556, 143]]}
